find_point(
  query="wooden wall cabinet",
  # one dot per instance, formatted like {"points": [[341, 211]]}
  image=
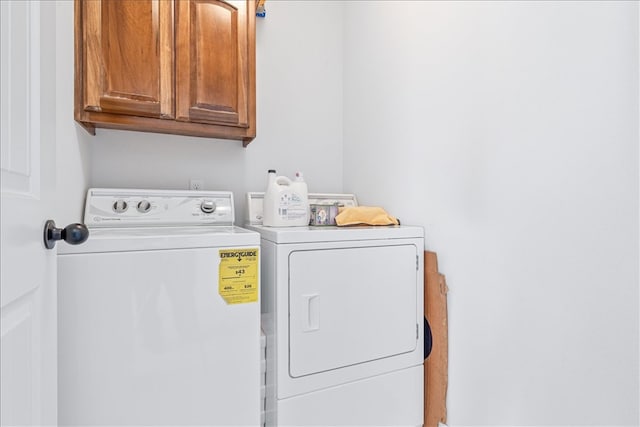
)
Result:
{"points": [[183, 67]]}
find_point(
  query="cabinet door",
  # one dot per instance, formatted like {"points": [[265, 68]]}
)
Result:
{"points": [[128, 65], [215, 52]]}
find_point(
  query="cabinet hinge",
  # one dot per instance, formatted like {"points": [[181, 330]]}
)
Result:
{"points": [[417, 332], [417, 263]]}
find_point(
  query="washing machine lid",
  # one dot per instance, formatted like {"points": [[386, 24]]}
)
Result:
{"points": [[162, 238], [335, 234]]}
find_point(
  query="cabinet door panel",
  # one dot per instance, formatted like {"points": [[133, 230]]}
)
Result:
{"points": [[184, 67], [131, 67], [212, 54]]}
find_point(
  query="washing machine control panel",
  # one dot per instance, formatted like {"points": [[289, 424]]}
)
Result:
{"points": [[129, 207]]}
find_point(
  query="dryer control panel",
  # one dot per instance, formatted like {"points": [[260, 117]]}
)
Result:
{"points": [[135, 208]]}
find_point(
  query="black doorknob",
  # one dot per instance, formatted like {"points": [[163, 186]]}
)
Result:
{"points": [[74, 234]]}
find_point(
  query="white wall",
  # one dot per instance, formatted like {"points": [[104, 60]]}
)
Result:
{"points": [[299, 107], [72, 143], [509, 130]]}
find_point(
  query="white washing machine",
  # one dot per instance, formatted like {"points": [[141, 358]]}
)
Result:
{"points": [[159, 315], [343, 314]]}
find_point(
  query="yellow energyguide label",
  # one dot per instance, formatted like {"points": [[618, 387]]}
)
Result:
{"points": [[238, 275]]}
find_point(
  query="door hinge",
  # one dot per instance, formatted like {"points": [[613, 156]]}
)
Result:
{"points": [[417, 263], [417, 332]]}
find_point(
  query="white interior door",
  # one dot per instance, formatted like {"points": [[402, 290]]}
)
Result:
{"points": [[28, 270]]}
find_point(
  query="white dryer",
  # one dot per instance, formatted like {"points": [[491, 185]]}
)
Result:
{"points": [[159, 317], [343, 314]]}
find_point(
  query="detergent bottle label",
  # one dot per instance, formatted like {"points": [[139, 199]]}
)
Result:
{"points": [[292, 207]]}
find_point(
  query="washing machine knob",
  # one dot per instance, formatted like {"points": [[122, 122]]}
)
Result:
{"points": [[144, 206], [207, 206], [120, 206]]}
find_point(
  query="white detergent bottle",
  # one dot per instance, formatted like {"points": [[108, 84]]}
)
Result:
{"points": [[283, 206]]}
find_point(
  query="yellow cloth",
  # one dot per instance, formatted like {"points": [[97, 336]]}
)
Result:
{"points": [[369, 215]]}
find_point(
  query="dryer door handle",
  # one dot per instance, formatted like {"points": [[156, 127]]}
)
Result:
{"points": [[312, 304]]}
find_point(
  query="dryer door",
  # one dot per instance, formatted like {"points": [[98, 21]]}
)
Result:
{"points": [[350, 305]]}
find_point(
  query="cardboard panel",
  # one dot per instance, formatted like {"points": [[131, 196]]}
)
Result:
{"points": [[436, 366]]}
